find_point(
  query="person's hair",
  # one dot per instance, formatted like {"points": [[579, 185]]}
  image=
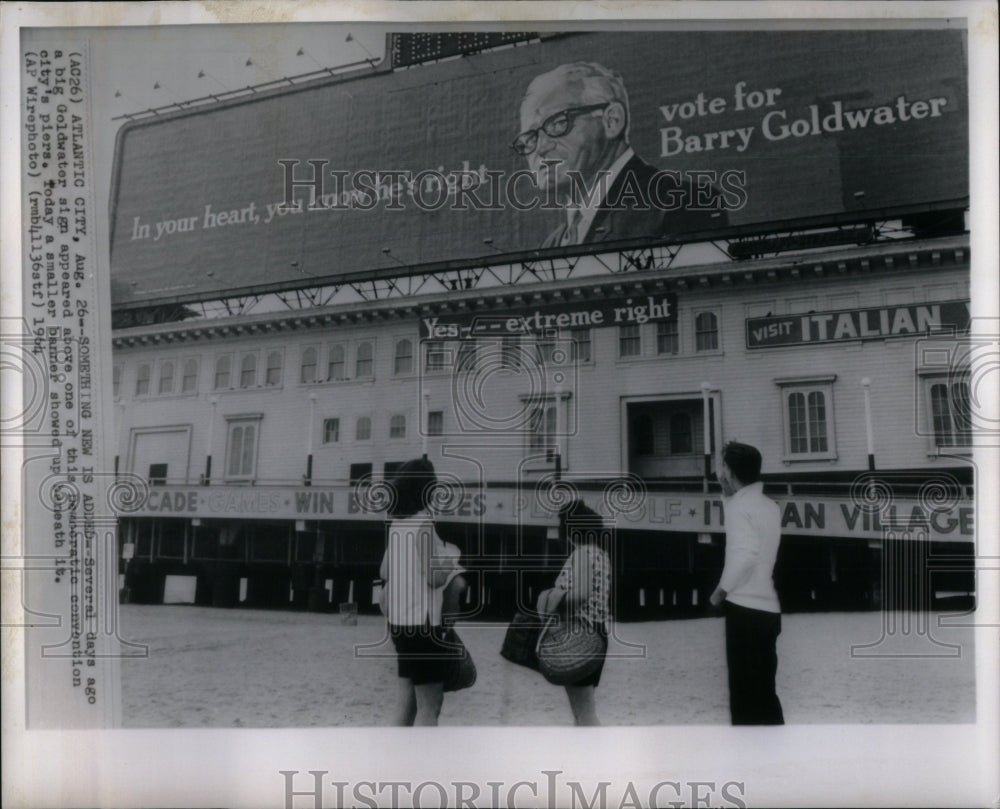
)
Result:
{"points": [[597, 83], [412, 483], [579, 522], [743, 460]]}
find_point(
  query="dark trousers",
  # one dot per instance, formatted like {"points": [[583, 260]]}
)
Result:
{"points": [[751, 638]]}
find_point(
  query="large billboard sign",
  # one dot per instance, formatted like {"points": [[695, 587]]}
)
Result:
{"points": [[413, 169]]}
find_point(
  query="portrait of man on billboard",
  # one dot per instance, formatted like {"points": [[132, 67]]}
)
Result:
{"points": [[575, 136]]}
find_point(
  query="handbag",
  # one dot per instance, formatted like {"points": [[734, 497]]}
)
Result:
{"points": [[461, 668], [521, 641], [569, 649]]}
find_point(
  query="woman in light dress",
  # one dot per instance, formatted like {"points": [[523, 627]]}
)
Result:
{"points": [[422, 591]]}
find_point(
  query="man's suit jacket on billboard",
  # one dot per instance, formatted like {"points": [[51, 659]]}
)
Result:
{"points": [[632, 218]]}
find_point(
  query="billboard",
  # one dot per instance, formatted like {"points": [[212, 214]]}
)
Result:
{"points": [[858, 324], [547, 318], [404, 171]]}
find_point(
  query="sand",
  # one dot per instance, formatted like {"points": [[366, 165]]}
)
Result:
{"points": [[209, 667]]}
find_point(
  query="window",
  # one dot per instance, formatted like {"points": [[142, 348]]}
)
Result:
{"points": [[272, 374], [808, 415], [189, 382], [336, 368], [363, 430], [248, 371], [116, 380], [543, 429], [544, 436], [358, 471], [468, 354], [435, 422], [166, 378], [171, 540], [205, 543], [241, 449], [510, 352], [404, 357], [642, 434], [681, 434], [397, 427], [142, 380], [951, 416], [581, 344], [807, 421], [629, 341], [157, 474], [668, 339], [363, 366], [222, 366], [267, 545], [307, 371], [436, 355], [331, 431], [390, 468], [706, 332], [545, 351]]}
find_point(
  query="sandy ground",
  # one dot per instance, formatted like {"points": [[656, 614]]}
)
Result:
{"points": [[252, 668]]}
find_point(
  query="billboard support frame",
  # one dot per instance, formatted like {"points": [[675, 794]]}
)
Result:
{"points": [[615, 257]]}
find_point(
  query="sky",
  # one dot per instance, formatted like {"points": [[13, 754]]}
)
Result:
{"points": [[129, 63]]}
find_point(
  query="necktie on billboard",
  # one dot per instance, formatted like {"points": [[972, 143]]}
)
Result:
{"points": [[572, 233]]}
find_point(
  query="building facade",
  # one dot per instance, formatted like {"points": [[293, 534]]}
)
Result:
{"points": [[265, 438]]}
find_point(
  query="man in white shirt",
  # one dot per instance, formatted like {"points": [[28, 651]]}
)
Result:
{"points": [[753, 615], [574, 134]]}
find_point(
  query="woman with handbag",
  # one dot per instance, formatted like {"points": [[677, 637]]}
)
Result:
{"points": [[581, 600], [417, 569]]}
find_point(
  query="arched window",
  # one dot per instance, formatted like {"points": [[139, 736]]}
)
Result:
{"points": [[189, 382], [142, 380], [166, 378], [706, 332], [272, 375], [331, 431], [397, 427], [404, 357], [248, 371], [222, 369], [336, 369], [363, 431], [363, 366], [809, 423], [241, 452], [308, 371]]}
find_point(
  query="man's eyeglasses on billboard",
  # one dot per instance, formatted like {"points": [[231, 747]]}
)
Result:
{"points": [[555, 126]]}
